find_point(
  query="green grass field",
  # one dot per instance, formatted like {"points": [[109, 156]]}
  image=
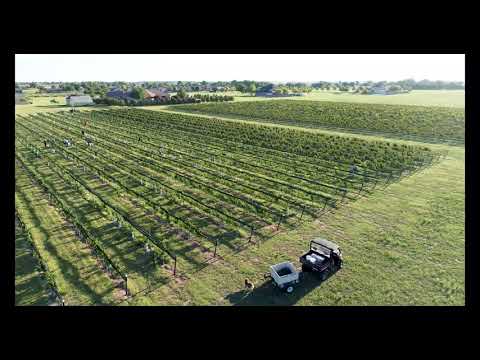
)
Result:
{"points": [[448, 98], [403, 244], [43, 104]]}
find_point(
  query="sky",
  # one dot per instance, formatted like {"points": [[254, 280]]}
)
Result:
{"points": [[228, 67]]}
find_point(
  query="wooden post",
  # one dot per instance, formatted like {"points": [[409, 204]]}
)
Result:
{"points": [[390, 177], [303, 210], [325, 205], [126, 284], [175, 267], [279, 220], [216, 244], [251, 234], [63, 302]]}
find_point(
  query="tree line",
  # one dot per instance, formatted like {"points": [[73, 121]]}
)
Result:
{"points": [[180, 98], [100, 88]]}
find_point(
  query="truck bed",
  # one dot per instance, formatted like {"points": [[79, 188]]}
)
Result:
{"points": [[314, 259]]}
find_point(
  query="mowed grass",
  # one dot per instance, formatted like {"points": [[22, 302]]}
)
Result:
{"points": [[404, 245], [44, 104], [447, 98]]}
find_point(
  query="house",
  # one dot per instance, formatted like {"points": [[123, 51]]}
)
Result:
{"points": [[157, 94], [122, 94], [78, 100], [118, 93], [54, 90], [265, 93], [267, 90], [378, 90]]}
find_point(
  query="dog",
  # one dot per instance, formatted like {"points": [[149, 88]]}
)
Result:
{"points": [[249, 285]]}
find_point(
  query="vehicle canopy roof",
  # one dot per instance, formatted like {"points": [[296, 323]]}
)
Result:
{"points": [[325, 243]]}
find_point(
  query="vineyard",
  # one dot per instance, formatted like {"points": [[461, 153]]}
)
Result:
{"points": [[418, 123], [153, 196]]}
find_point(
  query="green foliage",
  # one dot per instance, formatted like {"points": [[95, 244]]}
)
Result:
{"points": [[181, 94], [428, 122], [138, 93]]}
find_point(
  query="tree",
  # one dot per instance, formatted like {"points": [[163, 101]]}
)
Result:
{"points": [[138, 93], [241, 88], [181, 94], [252, 88], [395, 88]]}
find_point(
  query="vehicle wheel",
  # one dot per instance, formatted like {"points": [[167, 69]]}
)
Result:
{"points": [[306, 268], [289, 289], [323, 276]]}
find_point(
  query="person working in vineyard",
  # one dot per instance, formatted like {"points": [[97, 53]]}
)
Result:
{"points": [[353, 169]]}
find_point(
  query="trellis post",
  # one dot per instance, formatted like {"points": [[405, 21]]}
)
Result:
{"points": [[303, 210], [325, 205], [390, 176], [126, 284], [216, 245], [175, 267], [375, 184]]}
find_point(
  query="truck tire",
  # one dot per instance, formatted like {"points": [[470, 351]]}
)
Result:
{"points": [[289, 289]]}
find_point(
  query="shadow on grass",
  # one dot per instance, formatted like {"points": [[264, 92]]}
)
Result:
{"points": [[269, 295], [52, 106], [30, 286], [68, 269]]}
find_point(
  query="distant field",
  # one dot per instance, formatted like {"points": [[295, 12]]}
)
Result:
{"points": [[398, 120], [450, 98], [447, 98], [44, 104]]}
